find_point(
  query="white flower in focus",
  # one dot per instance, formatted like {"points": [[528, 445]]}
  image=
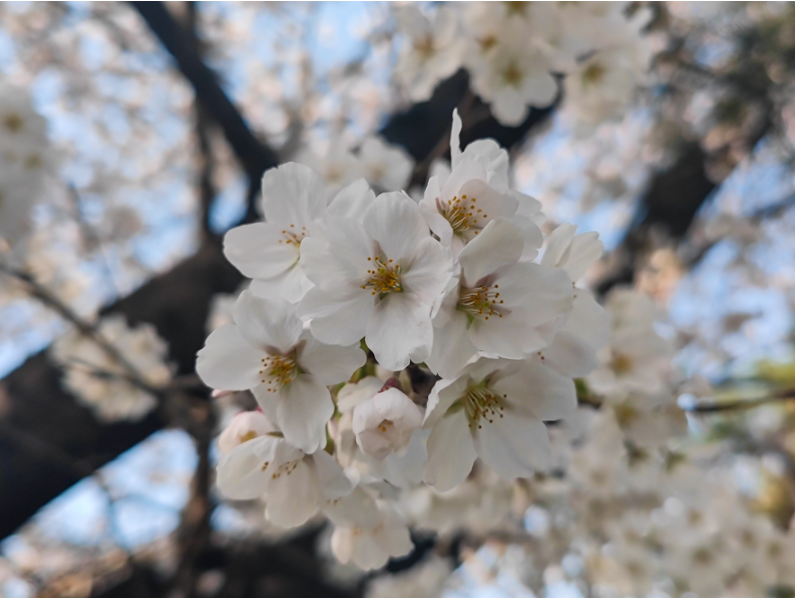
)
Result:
{"points": [[497, 305], [386, 167], [378, 279], [432, 49], [515, 75], [100, 382], [352, 395], [570, 252], [295, 484], [293, 198], [402, 470], [585, 330], [372, 546], [267, 350], [494, 410], [475, 193], [384, 423], [245, 426]]}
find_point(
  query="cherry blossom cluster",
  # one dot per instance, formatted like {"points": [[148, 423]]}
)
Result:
{"points": [[114, 370], [25, 159], [351, 295], [514, 51]]}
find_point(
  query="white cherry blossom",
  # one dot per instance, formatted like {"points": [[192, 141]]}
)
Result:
{"points": [[475, 193], [294, 196], [377, 279], [494, 410], [497, 305], [515, 75], [432, 49], [267, 350], [384, 423], [370, 547], [386, 167], [295, 484], [585, 329], [100, 381]]}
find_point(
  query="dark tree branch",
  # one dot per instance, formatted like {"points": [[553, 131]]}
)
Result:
{"points": [[254, 156]]}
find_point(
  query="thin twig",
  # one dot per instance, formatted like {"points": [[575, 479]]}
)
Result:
{"points": [[742, 404], [49, 299]]}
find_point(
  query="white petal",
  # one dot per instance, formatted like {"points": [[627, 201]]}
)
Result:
{"points": [[336, 256], [290, 285], [243, 473], [228, 361], [293, 194], [303, 407], [588, 320], [428, 269], [259, 250], [337, 319], [465, 171], [328, 363], [451, 453], [267, 323], [403, 471], [546, 291], [540, 390], [557, 244], [352, 201], [358, 509], [399, 326], [509, 108], [442, 396], [292, 499], [396, 223], [541, 91], [455, 143], [584, 250], [342, 543], [332, 480], [352, 395], [499, 244], [570, 355], [452, 347], [514, 446]]}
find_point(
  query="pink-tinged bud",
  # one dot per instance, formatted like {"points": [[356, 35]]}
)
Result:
{"points": [[391, 383]]}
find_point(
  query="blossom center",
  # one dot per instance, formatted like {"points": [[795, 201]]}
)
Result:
{"points": [[385, 277], [462, 213], [481, 302], [593, 74], [481, 402], [292, 236], [621, 364], [279, 370], [13, 122], [425, 47], [512, 75]]}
